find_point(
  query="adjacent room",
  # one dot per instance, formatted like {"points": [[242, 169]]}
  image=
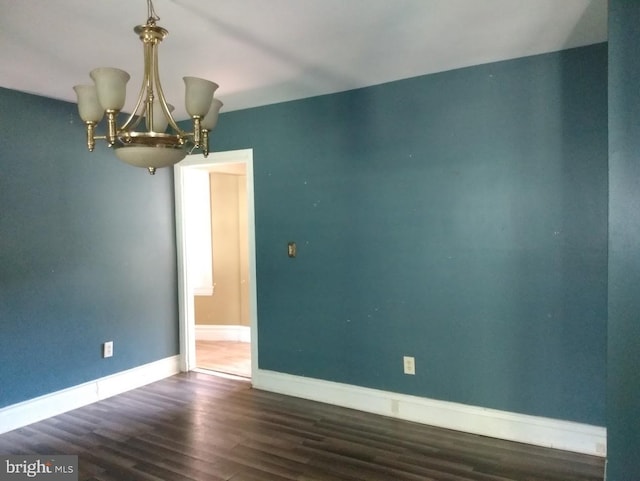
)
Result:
{"points": [[413, 252]]}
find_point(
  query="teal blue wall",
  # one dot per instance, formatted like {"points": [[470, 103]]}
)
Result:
{"points": [[87, 254], [460, 218], [623, 401]]}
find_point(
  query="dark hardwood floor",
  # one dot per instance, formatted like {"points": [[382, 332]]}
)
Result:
{"points": [[195, 426]]}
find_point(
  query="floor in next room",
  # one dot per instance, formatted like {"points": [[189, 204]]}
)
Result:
{"points": [[229, 357]]}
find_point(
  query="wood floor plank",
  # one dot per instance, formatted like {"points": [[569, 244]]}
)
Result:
{"points": [[197, 427]]}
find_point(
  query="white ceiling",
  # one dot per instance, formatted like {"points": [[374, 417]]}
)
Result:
{"points": [[266, 51]]}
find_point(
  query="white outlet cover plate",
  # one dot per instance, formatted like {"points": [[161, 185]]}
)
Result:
{"points": [[409, 364]]}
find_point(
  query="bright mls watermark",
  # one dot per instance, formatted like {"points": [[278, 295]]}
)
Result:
{"points": [[36, 466]]}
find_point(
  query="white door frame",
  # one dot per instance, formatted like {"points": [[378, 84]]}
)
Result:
{"points": [[185, 291]]}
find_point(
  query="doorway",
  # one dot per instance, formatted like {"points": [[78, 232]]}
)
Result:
{"points": [[203, 287]]}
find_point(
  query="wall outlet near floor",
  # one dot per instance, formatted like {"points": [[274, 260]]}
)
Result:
{"points": [[107, 349], [409, 364]]}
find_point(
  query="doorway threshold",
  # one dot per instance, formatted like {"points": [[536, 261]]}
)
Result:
{"points": [[224, 375]]}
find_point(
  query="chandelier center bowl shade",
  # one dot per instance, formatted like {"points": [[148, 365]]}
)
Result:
{"points": [[149, 137]]}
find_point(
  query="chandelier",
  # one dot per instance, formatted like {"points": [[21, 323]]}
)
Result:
{"points": [[149, 137]]}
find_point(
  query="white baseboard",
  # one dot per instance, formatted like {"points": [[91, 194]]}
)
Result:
{"points": [[34, 410], [208, 332], [203, 291], [553, 433], [539, 431]]}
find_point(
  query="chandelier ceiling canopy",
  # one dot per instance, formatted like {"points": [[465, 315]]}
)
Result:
{"points": [[149, 137]]}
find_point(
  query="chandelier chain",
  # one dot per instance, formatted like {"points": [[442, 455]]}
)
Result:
{"points": [[151, 13]]}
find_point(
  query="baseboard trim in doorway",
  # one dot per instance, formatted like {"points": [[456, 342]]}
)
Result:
{"points": [[224, 375], [206, 332], [539, 431], [43, 407]]}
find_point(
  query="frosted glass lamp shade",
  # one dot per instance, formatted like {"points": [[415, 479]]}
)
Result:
{"points": [[111, 84], [160, 120], [149, 156], [89, 108], [198, 95], [211, 119]]}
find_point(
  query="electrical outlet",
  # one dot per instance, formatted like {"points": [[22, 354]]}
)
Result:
{"points": [[107, 349], [409, 365]]}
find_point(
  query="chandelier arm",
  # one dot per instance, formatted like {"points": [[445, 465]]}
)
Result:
{"points": [[131, 124], [144, 89], [163, 101]]}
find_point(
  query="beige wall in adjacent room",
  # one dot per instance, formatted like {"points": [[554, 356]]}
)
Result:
{"points": [[230, 300]]}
